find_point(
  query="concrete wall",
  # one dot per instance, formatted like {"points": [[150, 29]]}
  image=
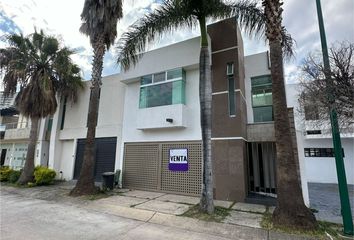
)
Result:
{"points": [[182, 54], [323, 169]]}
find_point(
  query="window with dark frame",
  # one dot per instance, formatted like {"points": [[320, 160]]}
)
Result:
{"points": [[262, 102], [63, 115], [320, 152], [163, 88], [313, 132], [231, 89]]}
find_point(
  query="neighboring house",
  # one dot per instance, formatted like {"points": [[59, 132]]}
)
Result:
{"points": [[317, 143], [69, 130], [14, 136], [149, 121]]}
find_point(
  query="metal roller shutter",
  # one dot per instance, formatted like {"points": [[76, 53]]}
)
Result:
{"points": [[105, 156]]}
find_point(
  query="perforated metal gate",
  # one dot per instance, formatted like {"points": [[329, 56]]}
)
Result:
{"points": [[141, 163], [146, 168]]}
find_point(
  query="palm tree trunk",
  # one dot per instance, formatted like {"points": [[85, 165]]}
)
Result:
{"points": [[28, 169], [291, 210], [85, 184], [206, 201]]}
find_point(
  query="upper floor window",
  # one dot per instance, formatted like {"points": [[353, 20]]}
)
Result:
{"points": [[163, 88], [231, 88], [311, 112], [262, 101]]}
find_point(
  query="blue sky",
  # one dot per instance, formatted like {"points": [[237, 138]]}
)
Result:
{"points": [[62, 18]]}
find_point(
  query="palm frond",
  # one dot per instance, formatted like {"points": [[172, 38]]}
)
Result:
{"points": [[249, 15], [167, 18], [288, 44], [252, 20], [100, 18], [41, 69]]}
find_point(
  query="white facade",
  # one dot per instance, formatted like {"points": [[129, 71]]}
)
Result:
{"points": [[320, 169], [149, 125], [63, 142]]}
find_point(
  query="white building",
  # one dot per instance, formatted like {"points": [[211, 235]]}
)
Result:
{"points": [[154, 108], [318, 146]]}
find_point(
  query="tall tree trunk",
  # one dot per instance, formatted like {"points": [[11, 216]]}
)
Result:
{"points": [[206, 201], [290, 210], [28, 169], [86, 184]]}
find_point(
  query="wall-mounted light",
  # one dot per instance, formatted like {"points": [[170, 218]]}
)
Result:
{"points": [[170, 120]]}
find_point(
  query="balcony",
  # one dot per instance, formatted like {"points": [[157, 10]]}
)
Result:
{"points": [[16, 131]]}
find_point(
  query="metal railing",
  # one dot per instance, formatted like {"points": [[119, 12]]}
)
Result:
{"points": [[14, 125]]}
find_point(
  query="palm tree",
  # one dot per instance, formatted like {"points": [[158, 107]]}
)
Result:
{"points": [[176, 14], [100, 25], [291, 210], [43, 70]]}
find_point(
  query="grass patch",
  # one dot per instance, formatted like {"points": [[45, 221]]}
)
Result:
{"points": [[219, 214], [320, 233]]}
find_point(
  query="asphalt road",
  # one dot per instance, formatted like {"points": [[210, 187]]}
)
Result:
{"points": [[28, 218]]}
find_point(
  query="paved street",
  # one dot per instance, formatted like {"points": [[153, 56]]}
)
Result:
{"points": [[325, 198], [49, 213], [26, 218]]}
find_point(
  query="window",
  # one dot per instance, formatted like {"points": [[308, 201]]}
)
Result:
{"points": [[50, 124], [164, 88], [313, 132], [320, 152], [311, 112], [262, 101], [231, 86], [63, 115]]}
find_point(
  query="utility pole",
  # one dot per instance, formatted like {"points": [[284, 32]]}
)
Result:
{"points": [[342, 181]]}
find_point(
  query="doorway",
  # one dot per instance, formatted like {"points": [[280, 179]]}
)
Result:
{"points": [[3, 156], [262, 169]]}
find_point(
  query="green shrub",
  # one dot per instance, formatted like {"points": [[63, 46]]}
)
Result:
{"points": [[14, 176], [5, 173], [43, 175]]}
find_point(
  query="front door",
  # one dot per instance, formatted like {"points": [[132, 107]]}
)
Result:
{"points": [[262, 168]]}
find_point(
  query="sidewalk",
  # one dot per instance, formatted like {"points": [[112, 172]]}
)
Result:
{"points": [[164, 209]]}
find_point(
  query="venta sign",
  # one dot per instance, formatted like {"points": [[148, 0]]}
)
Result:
{"points": [[178, 159]]}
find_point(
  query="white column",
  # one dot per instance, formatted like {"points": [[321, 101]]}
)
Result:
{"points": [[300, 149], [55, 143]]}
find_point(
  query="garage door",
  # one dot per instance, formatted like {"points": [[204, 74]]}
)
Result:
{"points": [[105, 156], [146, 167]]}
